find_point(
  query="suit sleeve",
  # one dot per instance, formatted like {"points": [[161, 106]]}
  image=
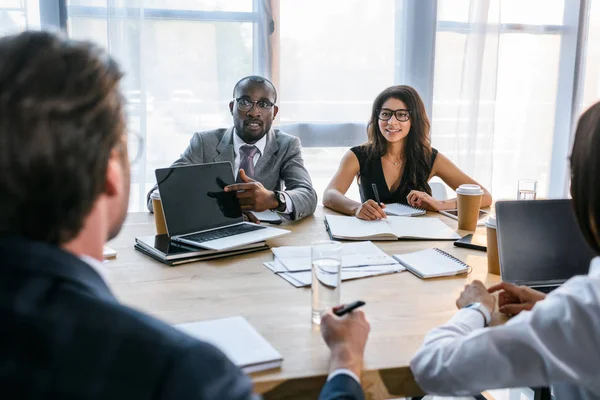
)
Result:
{"points": [[342, 387], [191, 155], [203, 372], [297, 182]]}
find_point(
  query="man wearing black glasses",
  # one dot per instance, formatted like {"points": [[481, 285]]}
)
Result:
{"points": [[265, 160]]}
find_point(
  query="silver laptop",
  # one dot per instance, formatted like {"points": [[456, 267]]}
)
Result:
{"points": [[540, 244], [199, 212]]}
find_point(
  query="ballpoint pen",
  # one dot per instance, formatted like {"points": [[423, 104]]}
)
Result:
{"points": [[376, 193], [349, 307]]}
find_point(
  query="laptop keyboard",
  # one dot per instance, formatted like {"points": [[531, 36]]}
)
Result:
{"points": [[545, 289], [224, 232]]}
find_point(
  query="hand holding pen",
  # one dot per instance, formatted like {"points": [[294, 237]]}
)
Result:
{"points": [[372, 209]]}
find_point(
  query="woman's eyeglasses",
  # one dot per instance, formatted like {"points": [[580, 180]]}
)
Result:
{"points": [[401, 115]]}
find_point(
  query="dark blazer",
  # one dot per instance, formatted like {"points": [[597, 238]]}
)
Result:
{"points": [[64, 335], [281, 165]]}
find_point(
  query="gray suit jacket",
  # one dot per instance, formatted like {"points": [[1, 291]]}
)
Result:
{"points": [[281, 165]]}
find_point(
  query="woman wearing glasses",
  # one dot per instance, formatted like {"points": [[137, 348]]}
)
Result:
{"points": [[397, 159]]}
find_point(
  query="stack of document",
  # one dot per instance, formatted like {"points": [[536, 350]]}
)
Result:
{"points": [[359, 260]]}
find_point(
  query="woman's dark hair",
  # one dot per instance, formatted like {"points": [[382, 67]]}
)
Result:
{"points": [[60, 118], [417, 144], [585, 175]]}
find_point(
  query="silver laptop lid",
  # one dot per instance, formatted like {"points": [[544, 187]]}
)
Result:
{"points": [[539, 242], [193, 199]]}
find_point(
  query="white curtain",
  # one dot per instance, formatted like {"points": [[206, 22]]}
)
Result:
{"points": [[181, 59], [465, 89]]}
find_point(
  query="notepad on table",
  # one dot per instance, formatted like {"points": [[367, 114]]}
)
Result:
{"points": [[432, 263], [240, 342], [391, 228], [403, 210]]}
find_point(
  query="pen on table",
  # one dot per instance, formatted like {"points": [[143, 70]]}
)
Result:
{"points": [[376, 193], [349, 307]]}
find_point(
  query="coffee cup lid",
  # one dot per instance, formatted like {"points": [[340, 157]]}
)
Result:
{"points": [[155, 195], [469, 190], [490, 222]]}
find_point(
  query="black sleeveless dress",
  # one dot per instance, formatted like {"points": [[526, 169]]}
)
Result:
{"points": [[371, 171]]}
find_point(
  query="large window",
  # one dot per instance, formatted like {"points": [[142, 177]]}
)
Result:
{"points": [[499, 77], [515, 130], [181, 59], [591, 60], [18, 15], [333, 71]]}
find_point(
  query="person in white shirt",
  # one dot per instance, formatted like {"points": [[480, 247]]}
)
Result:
{"points": [[554, 340]]}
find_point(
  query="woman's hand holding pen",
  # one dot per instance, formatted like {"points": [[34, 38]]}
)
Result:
{"points": [[370, 210]]}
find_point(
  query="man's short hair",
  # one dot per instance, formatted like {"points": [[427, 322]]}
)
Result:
{"points": [[60, 118], [255, 79]]}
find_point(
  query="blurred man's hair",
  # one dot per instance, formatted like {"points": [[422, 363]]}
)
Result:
{"points": [[60, 118]]}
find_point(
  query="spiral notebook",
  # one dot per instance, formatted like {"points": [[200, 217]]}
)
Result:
{"points": [[403, 210], [432, 263]]}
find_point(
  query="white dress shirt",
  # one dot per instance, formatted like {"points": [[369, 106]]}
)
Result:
{"points": [[96, 265], [557, 343], [260, 145]]}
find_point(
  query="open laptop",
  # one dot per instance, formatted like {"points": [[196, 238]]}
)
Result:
{"points": [[540, 244], [198, 211]]}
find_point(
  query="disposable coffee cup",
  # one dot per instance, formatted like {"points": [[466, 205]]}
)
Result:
{"points": [[159, 216], [468, 197], [492, 246]]}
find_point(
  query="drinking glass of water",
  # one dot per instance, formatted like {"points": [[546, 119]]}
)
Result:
{"points": [[527, 189], [326, 257]]}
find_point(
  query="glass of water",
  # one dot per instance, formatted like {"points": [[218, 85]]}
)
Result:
{"points": [[326, 260], [527, 189]]}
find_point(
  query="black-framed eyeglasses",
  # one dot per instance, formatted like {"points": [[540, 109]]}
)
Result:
{"points": [[401, 115], [245, 104]]}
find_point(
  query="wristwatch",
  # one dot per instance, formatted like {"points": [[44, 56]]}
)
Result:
{"points": [[281, 206], [483, 310]]}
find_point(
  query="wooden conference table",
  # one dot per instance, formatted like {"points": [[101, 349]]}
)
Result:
{"points": [[401, 308]]}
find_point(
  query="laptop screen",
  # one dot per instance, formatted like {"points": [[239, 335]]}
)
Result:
{"points": [[540, 241], [193, 198]]}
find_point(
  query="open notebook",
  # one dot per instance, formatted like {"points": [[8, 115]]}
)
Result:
{"points": [[391, 228], [240, 342], [432, 263], [403, 210]]}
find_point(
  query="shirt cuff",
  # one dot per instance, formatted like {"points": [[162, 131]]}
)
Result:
{"points": [[289, 206], [344, 371], [469, 318]]}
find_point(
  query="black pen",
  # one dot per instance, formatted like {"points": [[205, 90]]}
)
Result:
{"points": [[376, 193], [349, 307]]}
